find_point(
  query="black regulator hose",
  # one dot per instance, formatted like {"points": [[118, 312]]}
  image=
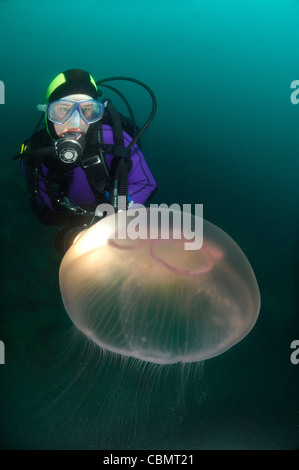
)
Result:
{"points": [[126, 103], [120, 182], [154, 100]]}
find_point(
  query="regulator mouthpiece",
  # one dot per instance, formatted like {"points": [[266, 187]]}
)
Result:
{"points": [[70, 147]]}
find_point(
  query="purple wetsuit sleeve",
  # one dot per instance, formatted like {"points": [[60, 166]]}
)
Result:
{"points": [[141, 183], [42, 190]]}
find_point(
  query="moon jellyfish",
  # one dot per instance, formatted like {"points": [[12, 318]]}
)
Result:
{"points": [[150, 298]]}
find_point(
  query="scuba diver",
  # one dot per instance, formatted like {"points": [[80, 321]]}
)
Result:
{"points": [[85, 154]]}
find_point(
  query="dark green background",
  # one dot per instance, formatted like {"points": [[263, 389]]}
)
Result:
{"points": [[225, 135]]}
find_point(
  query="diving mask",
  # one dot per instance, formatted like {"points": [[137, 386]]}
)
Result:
{"points": [[89, 110], [60, 111]]}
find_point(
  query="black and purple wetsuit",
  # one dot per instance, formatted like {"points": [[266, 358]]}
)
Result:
{"points": [[54, 182]]}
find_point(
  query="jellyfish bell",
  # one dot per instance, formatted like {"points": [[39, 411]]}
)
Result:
{"points": [[150, 298]]}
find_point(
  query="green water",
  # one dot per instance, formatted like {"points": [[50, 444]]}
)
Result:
{"points": [[225, 135]]}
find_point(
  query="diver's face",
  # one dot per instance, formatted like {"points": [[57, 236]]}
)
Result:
{"points": [[75, 123]]}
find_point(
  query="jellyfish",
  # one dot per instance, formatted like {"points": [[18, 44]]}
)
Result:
{"points": [[137, 291]]}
